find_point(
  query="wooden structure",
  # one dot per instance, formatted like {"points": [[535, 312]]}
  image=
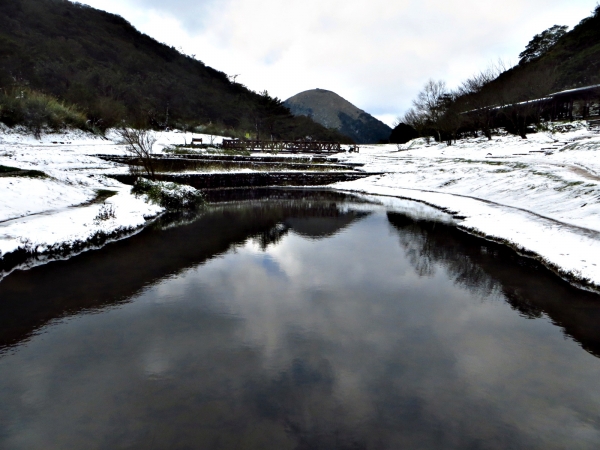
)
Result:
{"points": [[282, 146], [579, 103]]}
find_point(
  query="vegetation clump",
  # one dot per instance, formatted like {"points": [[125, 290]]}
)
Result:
{"points": [[172, 196], [37, 111], [107, 212], [181, 150], [230, 152], [8, 171]]}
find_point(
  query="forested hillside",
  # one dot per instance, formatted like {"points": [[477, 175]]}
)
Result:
{"points": [[523, 96], [573, 61], [109, 71]]}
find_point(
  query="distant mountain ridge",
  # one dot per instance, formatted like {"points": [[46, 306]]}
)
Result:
{"points": [[334, 112]]}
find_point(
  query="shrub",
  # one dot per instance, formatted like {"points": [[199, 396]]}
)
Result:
{"points": [[106, 113], [216, 129], [139, 144], [36, 111], [107, 212], [402, 134], [172, 196]]}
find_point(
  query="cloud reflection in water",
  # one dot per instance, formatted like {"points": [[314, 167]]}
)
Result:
{"points": [[363, 331]]}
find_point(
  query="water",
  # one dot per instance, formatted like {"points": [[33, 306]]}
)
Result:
{"points": [[316, 323]]}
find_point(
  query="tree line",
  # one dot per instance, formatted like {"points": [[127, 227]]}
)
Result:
{"points": [[511, 98]]}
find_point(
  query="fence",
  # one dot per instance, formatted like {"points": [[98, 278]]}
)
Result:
{"points": [[282, 146]]}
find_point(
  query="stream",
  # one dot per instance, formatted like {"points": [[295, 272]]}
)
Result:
{"points": [[298, 319]]}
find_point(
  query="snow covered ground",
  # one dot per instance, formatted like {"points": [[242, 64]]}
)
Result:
{"points": [[540, 195], [76, 204]]}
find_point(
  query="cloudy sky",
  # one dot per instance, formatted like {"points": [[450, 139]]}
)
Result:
{"points": [[375, 53]]}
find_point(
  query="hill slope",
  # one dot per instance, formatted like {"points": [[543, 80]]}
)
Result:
{"points": [[573, 62], [575, 57], [100, 63], [333, 111]]}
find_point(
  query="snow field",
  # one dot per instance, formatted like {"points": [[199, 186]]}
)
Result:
{"points": [[541, 195]]}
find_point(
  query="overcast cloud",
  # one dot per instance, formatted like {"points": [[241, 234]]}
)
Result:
{"points": [[375, 53]]}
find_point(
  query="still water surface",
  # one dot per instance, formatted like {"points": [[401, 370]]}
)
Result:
{"points": [[298, 320]]}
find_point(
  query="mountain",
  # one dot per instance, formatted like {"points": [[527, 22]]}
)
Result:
{"points": [[334, 112], [102, 65]]}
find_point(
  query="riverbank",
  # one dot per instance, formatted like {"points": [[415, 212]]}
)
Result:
{"points": [[60, 197], [61, 201], [540, 196]]}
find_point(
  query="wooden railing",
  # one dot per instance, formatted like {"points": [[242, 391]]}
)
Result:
{"points": [[282, 146]]}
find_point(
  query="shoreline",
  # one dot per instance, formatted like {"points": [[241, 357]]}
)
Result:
{"points": [[543, 207], [28, 256], [573, 276]]}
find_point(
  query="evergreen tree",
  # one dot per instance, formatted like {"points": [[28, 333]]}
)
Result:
{"points": [[403, 133], [542, 42]]}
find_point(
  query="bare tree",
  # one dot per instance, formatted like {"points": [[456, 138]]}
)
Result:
{"points": [[477, 82], [431, 103], [139, 144], [524, 100], [477, 101], [451, 121]]}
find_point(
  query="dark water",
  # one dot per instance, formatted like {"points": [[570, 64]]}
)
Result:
{"points": [[315, 323]]}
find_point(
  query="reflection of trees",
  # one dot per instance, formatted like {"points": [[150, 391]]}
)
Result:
{"points": [[297, 195], [328, 222], [484, 267], [307, 217], [93, 280], [271, 236], [424, 251]]}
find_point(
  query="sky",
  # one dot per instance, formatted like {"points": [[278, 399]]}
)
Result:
{"points": [[377, 54]]}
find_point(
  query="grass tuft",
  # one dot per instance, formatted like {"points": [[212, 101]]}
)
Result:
{"points": [[7, 171], [172, 196]]}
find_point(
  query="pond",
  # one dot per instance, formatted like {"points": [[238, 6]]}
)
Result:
{"points": [[298, 319]]}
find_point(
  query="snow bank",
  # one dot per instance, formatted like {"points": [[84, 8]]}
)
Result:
{"points": [[62, 212], [66, 209], [541, 196], [71, 227]]}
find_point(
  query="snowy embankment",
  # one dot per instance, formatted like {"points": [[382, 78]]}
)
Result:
{"points": [[541, 196], [72, 205]]}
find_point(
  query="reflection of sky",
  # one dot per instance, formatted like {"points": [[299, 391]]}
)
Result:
{"points": [[271, 266], [269, 349]]}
